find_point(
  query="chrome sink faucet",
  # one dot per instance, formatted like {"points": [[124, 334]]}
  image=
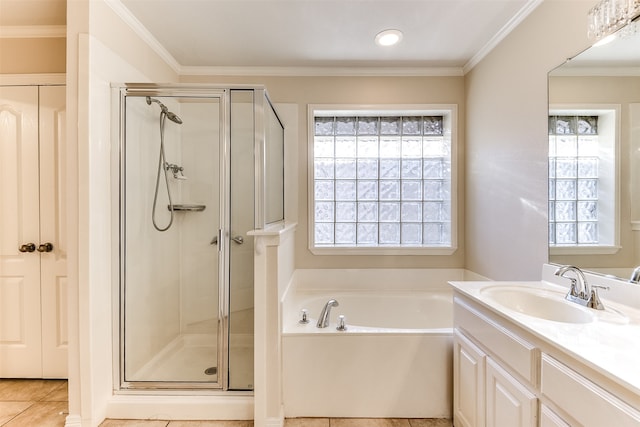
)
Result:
{"points": [[580, 291], [323, 319], [635, 276]]}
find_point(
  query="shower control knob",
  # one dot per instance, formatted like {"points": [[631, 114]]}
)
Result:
{"points": [[45, 247], [27, 247]]}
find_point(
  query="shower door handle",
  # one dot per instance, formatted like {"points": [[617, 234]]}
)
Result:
{"points": [[238, 239]]}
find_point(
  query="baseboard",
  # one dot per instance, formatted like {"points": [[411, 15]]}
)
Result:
{"points": [[73, 421]]}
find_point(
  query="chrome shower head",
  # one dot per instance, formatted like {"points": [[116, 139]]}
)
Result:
{"points": [[171, 116]]}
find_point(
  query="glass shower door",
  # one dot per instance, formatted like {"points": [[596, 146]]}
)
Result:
{"points": [[172, 268], [242, 207]]}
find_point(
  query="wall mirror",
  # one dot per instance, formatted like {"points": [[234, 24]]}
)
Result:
{"points": [[594, 157]]}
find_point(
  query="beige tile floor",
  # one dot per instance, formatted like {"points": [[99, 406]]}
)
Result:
{"points": [[30, 403], [43, 403], [291, 422]]}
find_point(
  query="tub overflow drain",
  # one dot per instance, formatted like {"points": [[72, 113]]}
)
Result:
{"points": [[211, 371]]}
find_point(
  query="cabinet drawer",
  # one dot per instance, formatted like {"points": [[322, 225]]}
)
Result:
{"points": [[586, 402], [520, 355]]}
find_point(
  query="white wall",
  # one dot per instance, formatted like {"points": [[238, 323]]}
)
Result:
{"points": [[94, 34], [506, 146], [303, 91], [199, 258], [152, 281]]}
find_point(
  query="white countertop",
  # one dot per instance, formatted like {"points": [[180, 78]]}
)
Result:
{"points": [[610, 344]]}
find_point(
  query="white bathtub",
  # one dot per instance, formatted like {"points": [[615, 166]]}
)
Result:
{"points": [[393, 361]]}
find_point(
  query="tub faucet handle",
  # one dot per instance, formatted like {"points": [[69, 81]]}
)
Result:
{"points": [[342, 325], [304, 317]]}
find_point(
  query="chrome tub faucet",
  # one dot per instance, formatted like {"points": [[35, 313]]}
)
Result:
{"points": [[323, 319]]}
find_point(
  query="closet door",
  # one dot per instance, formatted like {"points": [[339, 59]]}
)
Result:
{"points": [[33, 310], [20, 321], [52, 244]]}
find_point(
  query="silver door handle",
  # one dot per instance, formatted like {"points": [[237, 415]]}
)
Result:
{"points": [[214, 241], [238, 239]]}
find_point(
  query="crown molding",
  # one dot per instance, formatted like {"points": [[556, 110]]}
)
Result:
{"points": [[324, 71], [500, 35], [33, 31], [133, 22], [32, 79]]}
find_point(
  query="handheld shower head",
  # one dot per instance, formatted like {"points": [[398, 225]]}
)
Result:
{"points": [[170, 115], [173, 117]]}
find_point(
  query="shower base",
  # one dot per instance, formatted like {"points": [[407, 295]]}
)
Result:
{"points": [[192, 357], [184, 359]]}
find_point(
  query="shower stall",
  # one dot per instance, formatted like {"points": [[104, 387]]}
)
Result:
{"points": [[200, 167]]}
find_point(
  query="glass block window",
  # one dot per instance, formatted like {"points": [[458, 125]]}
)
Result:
{"points": [[583, 177], [573, 180], [381, 180]]}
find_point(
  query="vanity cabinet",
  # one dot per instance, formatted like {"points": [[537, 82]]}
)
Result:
{"points": [[504, 376], [485, 393], [583, 400]]}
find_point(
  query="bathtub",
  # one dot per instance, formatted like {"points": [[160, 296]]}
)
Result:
{"points": [[393, 361]]}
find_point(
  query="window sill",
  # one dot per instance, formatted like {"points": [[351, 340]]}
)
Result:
{"points": [[372, 251], [583, 250]]}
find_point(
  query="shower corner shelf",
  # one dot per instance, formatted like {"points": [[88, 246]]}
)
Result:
{"points": [[187, 208]]}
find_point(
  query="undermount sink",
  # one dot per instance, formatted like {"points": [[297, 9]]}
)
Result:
{"points": [[540, 303]]}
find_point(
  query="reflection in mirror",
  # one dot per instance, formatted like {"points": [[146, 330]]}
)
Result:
{"points": [[594, 157]]}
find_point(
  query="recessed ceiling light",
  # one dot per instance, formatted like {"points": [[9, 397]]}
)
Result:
{"points": [[388, 37]]}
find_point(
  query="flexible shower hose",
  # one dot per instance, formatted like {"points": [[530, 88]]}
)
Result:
{"points": [[161, 167]]}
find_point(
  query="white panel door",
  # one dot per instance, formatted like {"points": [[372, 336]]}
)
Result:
{"points": [[20, 325], [53, 258], [32, 211]]}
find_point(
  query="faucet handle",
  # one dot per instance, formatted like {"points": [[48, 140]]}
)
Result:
{"points": [[304, 316], [594, 299], [342, 326], [573, 287]]}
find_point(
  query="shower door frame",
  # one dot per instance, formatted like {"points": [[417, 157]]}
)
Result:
{"points": [[204, 92]]}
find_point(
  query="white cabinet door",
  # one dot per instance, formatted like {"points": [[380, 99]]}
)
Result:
{"points": [[509, 403], [548, 418], [469, 383], [27, 302]]}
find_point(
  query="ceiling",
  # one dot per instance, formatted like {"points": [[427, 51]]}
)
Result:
{"points": [[326, 33], [438, 34]]}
